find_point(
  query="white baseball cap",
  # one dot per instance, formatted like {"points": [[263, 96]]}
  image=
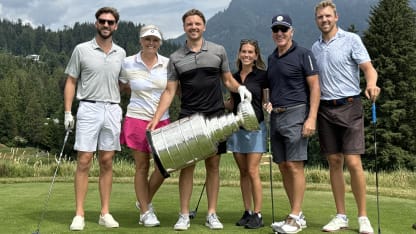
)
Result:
{"points": [[150, 30]]}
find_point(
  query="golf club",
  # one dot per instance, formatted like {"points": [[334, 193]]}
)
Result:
{"points": [[45, 206], [266, 99], [192, 214], [374, 121]]}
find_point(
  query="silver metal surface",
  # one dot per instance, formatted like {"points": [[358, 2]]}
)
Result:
{"points": [[195, 138]]}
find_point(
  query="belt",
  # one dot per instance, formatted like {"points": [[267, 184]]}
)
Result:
{"points": [[92, 101], [339, 102], [286, 108]]}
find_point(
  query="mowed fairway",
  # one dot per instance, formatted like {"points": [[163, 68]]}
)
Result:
{"points": [[22, 204]]}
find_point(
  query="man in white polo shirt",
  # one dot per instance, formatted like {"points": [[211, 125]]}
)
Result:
{"points": [[93, 71]]}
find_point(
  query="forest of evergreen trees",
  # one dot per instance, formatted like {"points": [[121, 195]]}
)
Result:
{"points": [[31, 92]]}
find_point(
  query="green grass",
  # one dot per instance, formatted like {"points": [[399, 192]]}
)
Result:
{"points": [[25, 177], [22, 204]]}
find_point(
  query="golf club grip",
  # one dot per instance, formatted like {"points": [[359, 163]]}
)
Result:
{"points": [[373, 111], [266, 95]]}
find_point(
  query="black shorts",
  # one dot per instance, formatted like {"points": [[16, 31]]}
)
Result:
{"points": [[341, 128]]}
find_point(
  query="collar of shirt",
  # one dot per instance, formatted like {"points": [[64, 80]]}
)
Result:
{"points": [[340, 33], [95, 45], [204, 47], [138, 58], [276, 52]]}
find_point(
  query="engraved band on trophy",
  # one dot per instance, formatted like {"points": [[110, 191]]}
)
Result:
{"points": [[194, 138]]}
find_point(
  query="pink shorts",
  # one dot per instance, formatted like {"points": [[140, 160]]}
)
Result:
{"points": [[133, 133]]}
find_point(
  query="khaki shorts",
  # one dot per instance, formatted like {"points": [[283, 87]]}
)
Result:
{"points": [[341, 128], [98, 126]]}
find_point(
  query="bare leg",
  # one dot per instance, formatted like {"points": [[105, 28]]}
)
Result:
{"points": [[245, 184], [186, 179], [81, 180], [212, 182], [336, 173], [155, 181], [141, 185], [105, 161], [253, 162], [358, 184], [294, 183]]}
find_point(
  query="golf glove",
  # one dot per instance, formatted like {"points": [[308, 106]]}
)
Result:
{"points": [[243, 91], [69, 120]]}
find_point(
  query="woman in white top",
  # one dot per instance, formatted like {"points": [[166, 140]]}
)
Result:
{"points": [[146, 75]]}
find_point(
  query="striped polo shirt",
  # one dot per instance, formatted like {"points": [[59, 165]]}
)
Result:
{"points": [[199, 74]]}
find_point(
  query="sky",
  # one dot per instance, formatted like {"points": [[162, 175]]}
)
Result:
{"points": [[55, 14]]}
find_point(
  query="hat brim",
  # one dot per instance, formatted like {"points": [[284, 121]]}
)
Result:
{"points": [[281, 24], [154, 33]]}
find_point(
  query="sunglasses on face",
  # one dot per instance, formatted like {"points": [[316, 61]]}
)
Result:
{"points": [[109, 22], [250, 41], [282, 29]]}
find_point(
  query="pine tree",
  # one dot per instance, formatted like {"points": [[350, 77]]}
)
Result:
{"points": [[391, 42]]}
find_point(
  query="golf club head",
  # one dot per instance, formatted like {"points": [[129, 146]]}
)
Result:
{"points": [[192, 214], [36, 232]]}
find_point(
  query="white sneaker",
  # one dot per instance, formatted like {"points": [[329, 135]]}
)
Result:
{"points": [[291, 225], [108, 221], [150, 206], [213, 222], [149, 219], [77, 224], [365, 226], [302, 221], [183, 223], [337, 223]]}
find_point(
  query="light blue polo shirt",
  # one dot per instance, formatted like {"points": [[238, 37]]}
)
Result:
{"points": [[338, 61]]}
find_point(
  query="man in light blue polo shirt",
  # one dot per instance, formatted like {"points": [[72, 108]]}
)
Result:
{"points": [[93, 71], [340, 55]]}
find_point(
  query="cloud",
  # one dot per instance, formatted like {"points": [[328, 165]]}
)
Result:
{"points": [[55, 14]]}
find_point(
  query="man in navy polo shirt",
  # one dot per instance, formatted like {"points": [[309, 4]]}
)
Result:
{"points": [[294, 94]]}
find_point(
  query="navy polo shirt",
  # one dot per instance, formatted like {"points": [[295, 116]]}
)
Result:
{"points": [[287, 76], [255, 82]]}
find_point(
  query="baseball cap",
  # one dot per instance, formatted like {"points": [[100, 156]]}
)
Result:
{"points": [[281, 19], [150, 30]]}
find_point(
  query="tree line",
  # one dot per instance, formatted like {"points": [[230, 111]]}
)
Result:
{"points": [[31, 92]]}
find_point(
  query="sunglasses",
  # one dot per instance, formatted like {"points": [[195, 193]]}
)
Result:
{"points": [[250, 41], [109, 22], [282, 29]]}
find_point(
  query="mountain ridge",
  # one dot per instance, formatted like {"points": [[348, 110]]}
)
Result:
{"points": [[248, 19]]}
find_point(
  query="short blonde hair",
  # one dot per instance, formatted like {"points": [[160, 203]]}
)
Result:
{"points": [[326, 3]]}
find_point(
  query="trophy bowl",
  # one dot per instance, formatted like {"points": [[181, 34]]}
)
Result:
{"points": [[191, 139]]}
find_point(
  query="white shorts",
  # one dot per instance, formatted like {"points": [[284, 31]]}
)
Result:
{"points": [[98, 125]]}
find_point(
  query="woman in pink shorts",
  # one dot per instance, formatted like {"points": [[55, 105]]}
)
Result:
{"points": [[146, 75]]}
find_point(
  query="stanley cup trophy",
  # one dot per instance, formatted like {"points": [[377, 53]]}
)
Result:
{"points": [[195, 138]]}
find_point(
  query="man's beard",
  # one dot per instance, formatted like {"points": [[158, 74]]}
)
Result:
{"points": [[104, 36]]}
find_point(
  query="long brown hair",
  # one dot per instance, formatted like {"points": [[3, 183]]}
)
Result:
{"points": [[259, 63]]}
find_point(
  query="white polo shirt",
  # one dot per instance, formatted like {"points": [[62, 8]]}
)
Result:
{"points": [[146, 85]]}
